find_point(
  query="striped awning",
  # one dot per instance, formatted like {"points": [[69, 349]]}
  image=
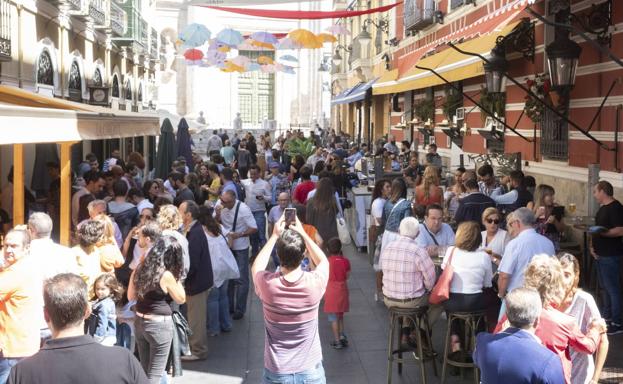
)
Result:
{"points": [[356, 93]]}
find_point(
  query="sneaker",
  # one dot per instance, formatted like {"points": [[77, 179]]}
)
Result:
{"points": [[191, 358], [344, 340], [337, 344], [614, 329]]}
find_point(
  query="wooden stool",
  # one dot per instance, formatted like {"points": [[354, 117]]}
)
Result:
{"points": [[419, 318], [471, 320]]}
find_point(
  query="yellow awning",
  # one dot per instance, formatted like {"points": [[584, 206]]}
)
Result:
{"points": [[388, 79], [449, 63]]}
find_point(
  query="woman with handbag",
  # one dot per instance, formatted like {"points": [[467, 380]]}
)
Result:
{"points": [[224, 268], [322, 209], [471, 272]]}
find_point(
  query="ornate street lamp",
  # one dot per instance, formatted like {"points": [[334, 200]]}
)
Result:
{"points": [[337, 58], [563, 55], [495, 69], [364, 37]]}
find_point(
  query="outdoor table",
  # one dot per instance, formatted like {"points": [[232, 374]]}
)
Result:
{"points": [[582, 223]]}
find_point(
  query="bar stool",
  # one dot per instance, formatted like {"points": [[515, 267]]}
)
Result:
{"points": [[419, 318], [471, 320]]}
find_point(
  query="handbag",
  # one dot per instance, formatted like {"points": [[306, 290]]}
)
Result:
{"points": [[342, 230], [441, 290], [224, 264]]}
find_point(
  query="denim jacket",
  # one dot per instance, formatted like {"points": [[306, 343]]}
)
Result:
{"points": [[106, 318], [393, 216]]}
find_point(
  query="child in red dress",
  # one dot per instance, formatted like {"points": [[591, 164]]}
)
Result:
{"points": [[336, 295]]}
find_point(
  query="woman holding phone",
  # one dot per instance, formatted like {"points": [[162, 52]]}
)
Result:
{"points": [[548, 214]]}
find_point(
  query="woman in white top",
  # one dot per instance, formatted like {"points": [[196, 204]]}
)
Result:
{"points": [[472, 273], [380, 194], [494, 239], [581, 305]]}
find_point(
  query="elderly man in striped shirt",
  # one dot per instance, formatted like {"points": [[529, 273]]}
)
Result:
{"points": [[408, 272]]}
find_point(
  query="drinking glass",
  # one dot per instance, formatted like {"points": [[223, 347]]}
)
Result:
{"points": [[571, 208]]}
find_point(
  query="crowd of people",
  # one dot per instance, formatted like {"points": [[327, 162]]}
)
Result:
{"points": [[168, 264]]}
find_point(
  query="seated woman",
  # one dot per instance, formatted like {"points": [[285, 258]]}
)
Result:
{"points": [[548, 221], [581, 305], [494, 239], [429, 191], [558, 331], [472, 273]]}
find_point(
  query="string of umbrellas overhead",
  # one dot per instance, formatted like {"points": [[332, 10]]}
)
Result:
{"points": [[201, 49]]}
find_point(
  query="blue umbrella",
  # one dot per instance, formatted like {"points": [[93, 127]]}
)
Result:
{"points": [[289, 58], [195, 35], [264, 37], [253, 67], [229, 37], [166, 150], [184, 142]]}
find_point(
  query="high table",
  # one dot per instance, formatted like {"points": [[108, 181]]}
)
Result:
{"points": [[357, 217]]}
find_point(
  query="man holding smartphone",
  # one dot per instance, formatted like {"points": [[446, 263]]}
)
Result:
{"points": [[258, 193]]}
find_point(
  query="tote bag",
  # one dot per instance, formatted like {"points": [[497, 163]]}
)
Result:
{"points": [[441, 290], [342, 230]]}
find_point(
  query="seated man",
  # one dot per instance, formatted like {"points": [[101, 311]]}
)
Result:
{"points": [[434, 234], [408, 272], [71, 356], [516, 355]]}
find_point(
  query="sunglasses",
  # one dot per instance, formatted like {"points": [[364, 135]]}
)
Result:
{"points": [[493, 221], [146, 216]]}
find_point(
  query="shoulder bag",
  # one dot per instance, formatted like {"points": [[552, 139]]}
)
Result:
{"points": [[230, 241], [441, 290]]}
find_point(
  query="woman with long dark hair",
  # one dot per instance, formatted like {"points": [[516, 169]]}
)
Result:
{"points": [[395, 209], [218, 302], [154, 283], [322, 209], [380, 194], [295, 168], [151, 190]]}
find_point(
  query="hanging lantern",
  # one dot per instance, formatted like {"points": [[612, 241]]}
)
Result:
{"points": [[563, 55], [495, 69]]}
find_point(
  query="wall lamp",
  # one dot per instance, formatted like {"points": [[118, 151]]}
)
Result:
{"points": [[364, 36], [337, 58]]}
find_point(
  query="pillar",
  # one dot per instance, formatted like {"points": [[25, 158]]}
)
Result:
{"points": [[18, 184], [65, 195]]}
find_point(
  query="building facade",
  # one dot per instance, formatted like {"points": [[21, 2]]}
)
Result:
{"points": [[559, 131]]}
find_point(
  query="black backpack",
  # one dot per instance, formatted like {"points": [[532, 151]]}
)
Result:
{"points": [[242, 195], [90, 324]]}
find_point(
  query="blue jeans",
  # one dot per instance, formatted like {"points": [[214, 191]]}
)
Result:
{"points": [[310, 376], [258, 239], [218, 309], [239, 288], [6, 363], [608, 268]]}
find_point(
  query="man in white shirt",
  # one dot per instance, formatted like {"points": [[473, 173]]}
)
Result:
{"points": [[435, 235], [519, 252], [316, 157], [237, 219], [136, 196], [214, 144], [258, 192]]}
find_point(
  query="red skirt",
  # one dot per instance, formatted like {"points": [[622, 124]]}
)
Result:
{"points": [[336, 297]]}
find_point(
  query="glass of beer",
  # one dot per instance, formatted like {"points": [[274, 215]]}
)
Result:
{"points": [[571, 208]]}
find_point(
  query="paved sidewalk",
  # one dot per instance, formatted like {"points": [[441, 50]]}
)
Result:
{"points": [[238, 357]]}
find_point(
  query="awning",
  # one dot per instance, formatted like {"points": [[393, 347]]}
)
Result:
{"points": [[43, 119], [357, 93], [339, 99], [483, 33]]}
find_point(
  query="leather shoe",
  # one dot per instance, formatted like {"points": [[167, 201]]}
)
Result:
{"points": [[237, 315]]}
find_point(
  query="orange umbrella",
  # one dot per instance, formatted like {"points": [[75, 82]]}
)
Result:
{"points": [[305, 38], [326, 38], [262, 44], [265, 60], [224, 49]]}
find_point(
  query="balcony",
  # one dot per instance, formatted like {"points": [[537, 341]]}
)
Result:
{"points": [[418, 14], [5, 30], [153, 44], [118, 20], [136, 35], [97, 11]]}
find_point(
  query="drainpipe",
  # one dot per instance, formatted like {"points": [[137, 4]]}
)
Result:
{"points": [[617, 126]]}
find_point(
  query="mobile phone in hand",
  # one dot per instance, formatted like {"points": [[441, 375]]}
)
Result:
{"points": [[290, 216]]}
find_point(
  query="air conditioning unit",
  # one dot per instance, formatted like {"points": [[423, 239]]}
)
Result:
{"points": [[459, 117]]}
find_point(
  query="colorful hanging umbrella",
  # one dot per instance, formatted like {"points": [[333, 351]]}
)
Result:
{"points": [[229, 37], [213, 56], [289, 58], [326, 38], [231, 67], [268, 68], [195, 35], [262, 45], [224, 49], [287, 70], [253, 67], [264, 37], [305, 38], [193, 55], [241, 61], [287, 43], [338, 29], [265, 60]]}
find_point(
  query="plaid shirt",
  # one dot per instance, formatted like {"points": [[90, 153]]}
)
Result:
{"points": [[408, 271]]}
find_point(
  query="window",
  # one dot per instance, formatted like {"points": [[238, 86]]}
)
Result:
{"points": [[75, 82], [45, 71], [256, 92], [128, 90], [457, 3], [418, 14], [554, 137], [115, 86], [140, 93], [97, 78]]}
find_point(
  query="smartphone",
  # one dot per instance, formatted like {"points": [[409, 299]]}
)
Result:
{"points": [[290, 216], [558, 212]]}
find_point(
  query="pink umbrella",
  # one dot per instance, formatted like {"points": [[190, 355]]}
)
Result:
{"points": [[338, 29], [287, 43]]}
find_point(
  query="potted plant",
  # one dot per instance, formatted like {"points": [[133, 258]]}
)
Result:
{"points": [[303, 147], [493, 103], [453, 101], [425, 109], [541, 87]]}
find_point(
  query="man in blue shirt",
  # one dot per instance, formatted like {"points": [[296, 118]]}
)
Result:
{"points": [[516, 355], [434, 233], [227, 178]]}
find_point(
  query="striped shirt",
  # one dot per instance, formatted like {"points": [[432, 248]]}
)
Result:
{"points": [[292, 341], [408, 271]]}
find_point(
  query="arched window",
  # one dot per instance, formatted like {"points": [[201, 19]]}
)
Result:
{"points": [[140, 93], [97, 78], [75, 80], [115, 86], [45, 71], [128, 90]]}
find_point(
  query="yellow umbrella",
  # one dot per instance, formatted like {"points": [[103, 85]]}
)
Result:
{"points": [[224, 49], [305, 38], [265, 60], [231, 67], [261, 44], [326, 38]]}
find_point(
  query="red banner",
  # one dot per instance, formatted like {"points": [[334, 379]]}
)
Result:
{"points": [[300, 15]]}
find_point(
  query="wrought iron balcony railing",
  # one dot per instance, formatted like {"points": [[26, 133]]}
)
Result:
{"points": [[5, 30]]}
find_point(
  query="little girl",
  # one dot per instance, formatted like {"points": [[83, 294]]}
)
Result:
{"points": [[336, 295], [103, 325]]}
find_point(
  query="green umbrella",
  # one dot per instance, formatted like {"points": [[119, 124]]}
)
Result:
{"points": [[166, 150]]}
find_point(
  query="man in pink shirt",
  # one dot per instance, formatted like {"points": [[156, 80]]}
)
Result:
{"points": [[290, 299]]}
